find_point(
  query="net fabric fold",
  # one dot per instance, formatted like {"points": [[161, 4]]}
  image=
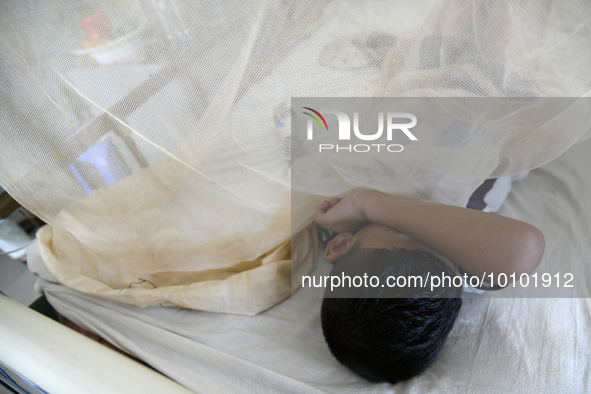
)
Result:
{"points": [[154, 137]]}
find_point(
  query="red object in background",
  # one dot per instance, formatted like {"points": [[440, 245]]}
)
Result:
{"points": [[96, 25]]}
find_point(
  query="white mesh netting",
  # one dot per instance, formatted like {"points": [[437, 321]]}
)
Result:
{"points": [[153, 135]]}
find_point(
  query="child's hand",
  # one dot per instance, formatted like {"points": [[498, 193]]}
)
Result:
{"points": [[341, 215]]}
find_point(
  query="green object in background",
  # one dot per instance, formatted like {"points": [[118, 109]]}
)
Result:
{"points": [[7, 204], [43, 306]]}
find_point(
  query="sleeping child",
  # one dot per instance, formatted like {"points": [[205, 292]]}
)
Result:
{"points": [[392, 337]]}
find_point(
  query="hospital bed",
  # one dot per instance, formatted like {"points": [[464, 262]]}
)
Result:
{"points": [[498, 344]]}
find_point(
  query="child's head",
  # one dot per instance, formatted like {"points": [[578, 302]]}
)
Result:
{"points": [[379, 336]]}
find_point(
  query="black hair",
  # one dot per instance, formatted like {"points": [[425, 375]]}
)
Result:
{"points": [[377, 334]]}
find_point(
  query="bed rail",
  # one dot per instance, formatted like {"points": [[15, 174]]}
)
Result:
{"points": [[59, 360]]}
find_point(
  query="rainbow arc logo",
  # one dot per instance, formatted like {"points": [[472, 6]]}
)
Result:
{"points": [[315, 118]]}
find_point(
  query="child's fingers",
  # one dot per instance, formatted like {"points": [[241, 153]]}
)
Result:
{"points": [[333, 202], [321, 208], [320, 215]]}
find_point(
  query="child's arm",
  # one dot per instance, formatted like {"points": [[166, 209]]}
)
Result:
{"points": [[476, 241]]}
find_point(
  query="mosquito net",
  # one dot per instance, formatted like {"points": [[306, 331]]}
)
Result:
{"points": [[154, 135]]}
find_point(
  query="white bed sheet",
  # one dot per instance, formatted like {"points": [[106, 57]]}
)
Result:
{"points": [[497, 345]]}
